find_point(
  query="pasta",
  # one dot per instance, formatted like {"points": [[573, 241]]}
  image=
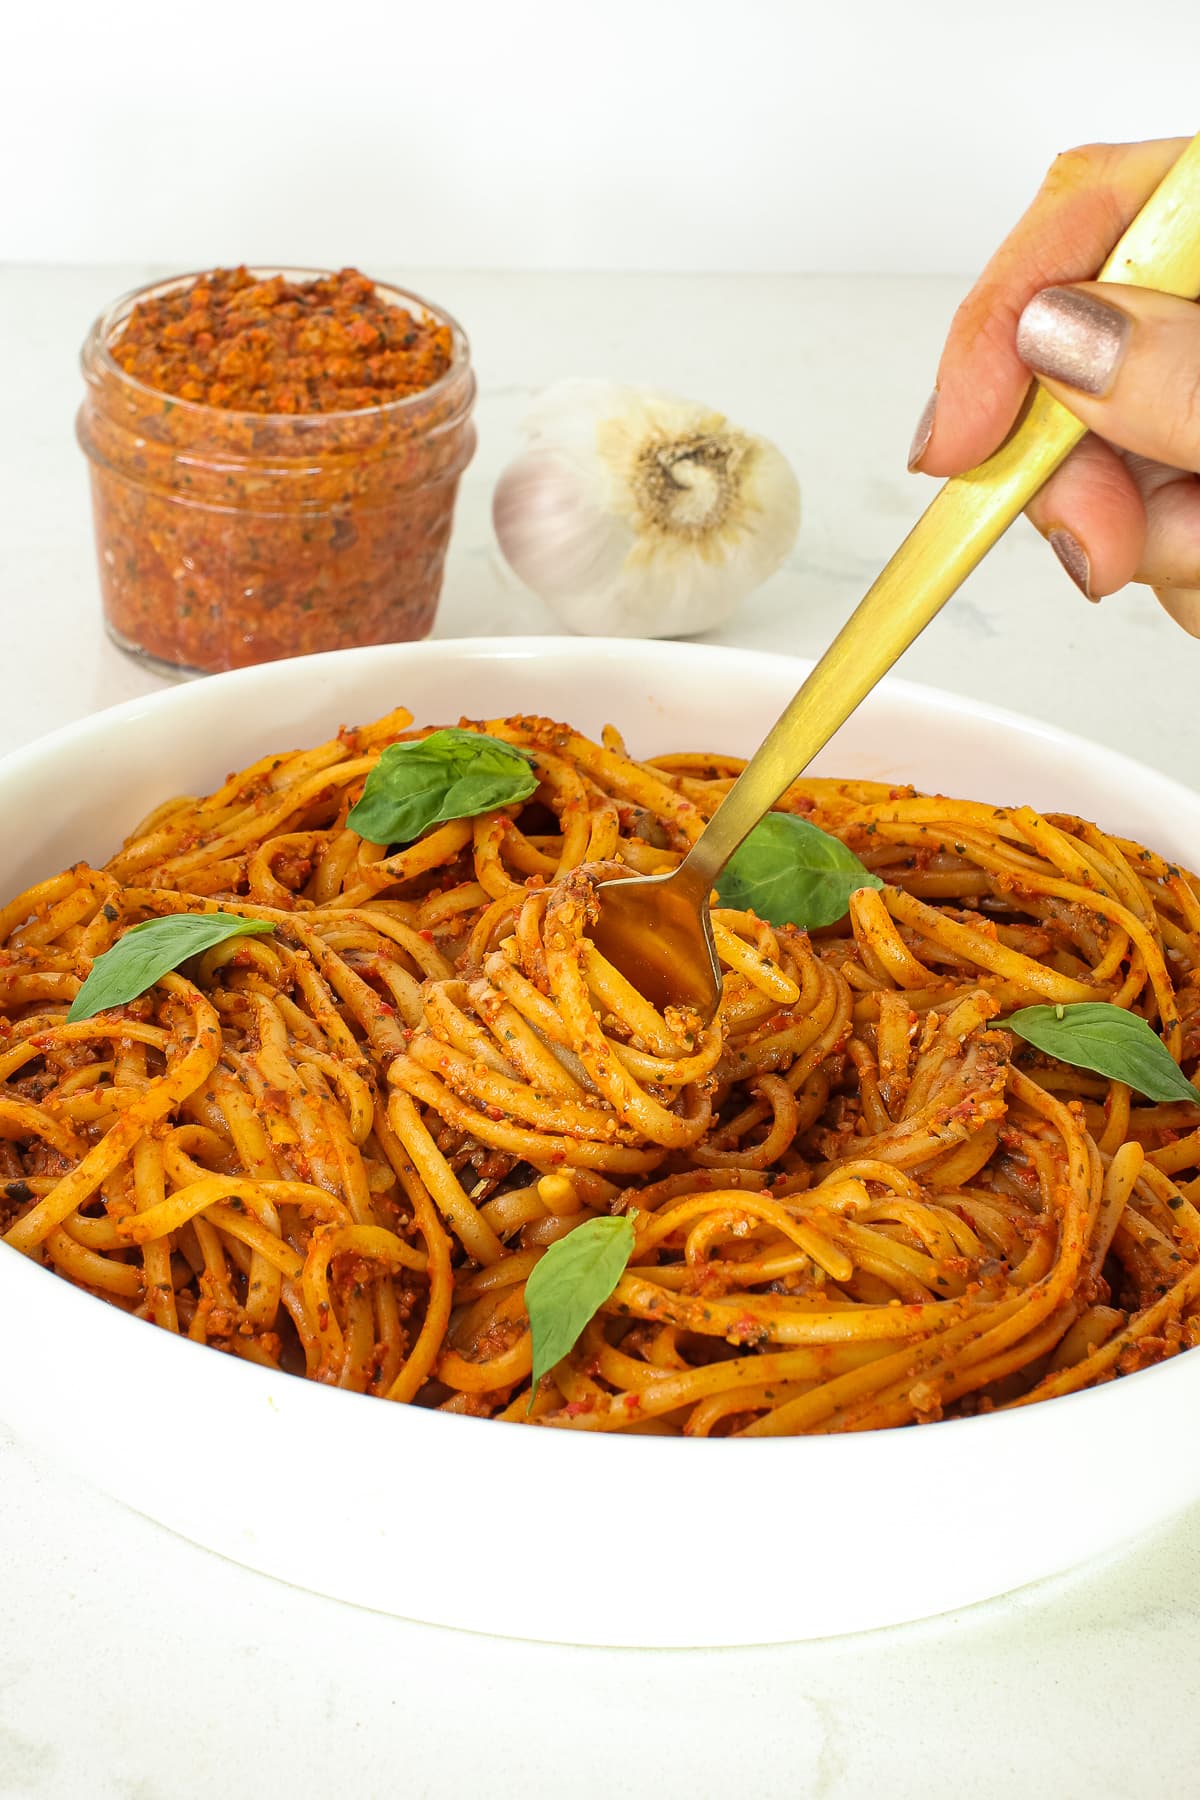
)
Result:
{"points": [[342, 1148]]}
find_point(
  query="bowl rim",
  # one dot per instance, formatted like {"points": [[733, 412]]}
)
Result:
{"points": [[533, 646]]}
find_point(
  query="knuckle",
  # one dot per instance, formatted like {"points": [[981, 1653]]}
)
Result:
{"points": [[1078, 167], [1177, 413], [1187, 432], [980, 356], [1183, 605], [987, 317]]}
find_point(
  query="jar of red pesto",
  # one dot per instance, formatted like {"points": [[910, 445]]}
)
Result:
{"points": [[274, 462]]}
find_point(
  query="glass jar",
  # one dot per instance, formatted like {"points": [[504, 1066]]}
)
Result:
{"points": [[228, 538]]}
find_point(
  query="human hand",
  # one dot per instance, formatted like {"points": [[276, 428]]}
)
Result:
{"points": [[1125, 506]]}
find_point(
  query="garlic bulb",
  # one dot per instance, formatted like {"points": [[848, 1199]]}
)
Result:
{"points": [[637, 514]]}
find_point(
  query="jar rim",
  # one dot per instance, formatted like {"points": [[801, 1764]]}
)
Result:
{"points": [[96, 347]]}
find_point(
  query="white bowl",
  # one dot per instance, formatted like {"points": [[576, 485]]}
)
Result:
{"points": [[559, 1535]]}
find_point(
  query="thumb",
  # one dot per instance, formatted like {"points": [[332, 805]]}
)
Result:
{"points": [[1124, 360]]}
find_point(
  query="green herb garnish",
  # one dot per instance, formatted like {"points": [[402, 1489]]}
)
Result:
{"points": [[448, 775], [792, 873], [1095, 1035], [569, 1284], [148, 951]]}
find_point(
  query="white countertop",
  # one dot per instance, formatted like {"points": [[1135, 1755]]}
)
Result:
{"points": [[134, 1665]]}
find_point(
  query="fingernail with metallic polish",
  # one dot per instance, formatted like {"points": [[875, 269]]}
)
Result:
{"points": [[1073, 338], [1074, 559], [924, 432]]}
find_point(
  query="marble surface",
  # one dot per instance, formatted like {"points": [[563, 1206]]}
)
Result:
{"points": [[133, 1665]]}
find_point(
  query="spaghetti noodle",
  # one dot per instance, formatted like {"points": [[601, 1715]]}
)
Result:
{"points": [[341, 1149]]}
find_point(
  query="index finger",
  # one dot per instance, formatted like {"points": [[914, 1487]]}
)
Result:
{"points": [[1088, 198]]}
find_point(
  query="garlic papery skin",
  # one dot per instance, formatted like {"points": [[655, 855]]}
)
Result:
{"points": [[637, 514]]}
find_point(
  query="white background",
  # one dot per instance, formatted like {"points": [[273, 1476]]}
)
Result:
{"points": [[431, 140], [854, 135]]}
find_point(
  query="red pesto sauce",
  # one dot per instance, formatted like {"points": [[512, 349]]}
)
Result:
{"points": [[272, 345], [301, 497]]}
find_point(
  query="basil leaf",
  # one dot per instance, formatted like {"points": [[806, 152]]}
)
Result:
{"points": [[147, 951], [447, 775], [573, 1279], [1093, 1034], [792, 873]]}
